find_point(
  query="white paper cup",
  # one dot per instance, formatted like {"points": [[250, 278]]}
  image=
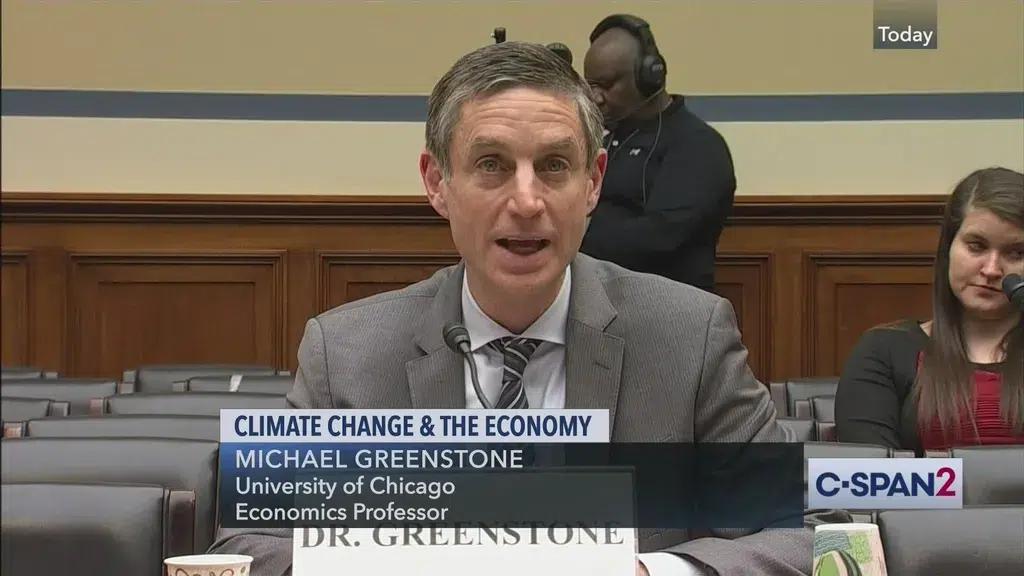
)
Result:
{"points": [[209, 564], [847, 550]]}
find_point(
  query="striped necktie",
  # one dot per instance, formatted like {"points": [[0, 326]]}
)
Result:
{"points": [[517, 352]]}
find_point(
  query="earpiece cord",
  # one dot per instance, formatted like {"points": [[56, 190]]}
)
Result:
{"points": [[643, 177]]}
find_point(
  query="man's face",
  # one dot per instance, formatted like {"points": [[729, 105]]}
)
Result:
{"points": [[609, 69], [519, 192]]}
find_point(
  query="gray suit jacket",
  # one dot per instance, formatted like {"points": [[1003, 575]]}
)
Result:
{"points": [[665, 359]]}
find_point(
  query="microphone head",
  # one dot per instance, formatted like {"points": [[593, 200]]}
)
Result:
{"points": [[1013, 287], [562, 51], [455, 337]]}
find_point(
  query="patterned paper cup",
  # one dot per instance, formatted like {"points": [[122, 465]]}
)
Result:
{"points": [[848, 550], [209, 565]]}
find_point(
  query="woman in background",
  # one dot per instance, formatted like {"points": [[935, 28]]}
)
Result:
{"points": [[957, 379]]}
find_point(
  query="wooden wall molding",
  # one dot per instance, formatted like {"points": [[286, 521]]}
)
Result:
{"points": [[125, 306], [15, 296], [804, 274], [746, 280], [886, 209], [50, 207], [852, 292], [346, 276]]}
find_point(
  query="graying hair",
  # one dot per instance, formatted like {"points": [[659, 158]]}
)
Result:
{"points": [[499, 67]]}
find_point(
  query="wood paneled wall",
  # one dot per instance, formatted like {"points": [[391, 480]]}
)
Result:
{"points": [[95, 284]]}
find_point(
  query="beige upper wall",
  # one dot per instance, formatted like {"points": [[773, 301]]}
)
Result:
{"points": [[402, 47], [70, 155]]}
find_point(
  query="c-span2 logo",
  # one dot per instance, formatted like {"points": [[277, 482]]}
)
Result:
{"points": [[870, 483]]}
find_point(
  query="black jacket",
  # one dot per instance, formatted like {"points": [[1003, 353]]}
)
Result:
{"points": [[871, 402], [665, 197], [874, 404]]}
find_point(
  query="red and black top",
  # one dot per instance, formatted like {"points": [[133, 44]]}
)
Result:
{"points": [[988, 426], [874, 404]]}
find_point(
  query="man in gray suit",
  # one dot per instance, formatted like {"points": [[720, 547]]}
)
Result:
{"points": [[514, 162]]}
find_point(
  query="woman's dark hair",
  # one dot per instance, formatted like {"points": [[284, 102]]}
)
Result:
{"points": [[944, 385]]}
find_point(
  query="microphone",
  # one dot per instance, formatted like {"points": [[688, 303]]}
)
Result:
{"points": [[456, 337], [562, 51], [1013, 287], [632, 110]]}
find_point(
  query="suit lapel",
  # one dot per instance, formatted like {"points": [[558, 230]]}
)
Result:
{"points": [[437, 380], [593, 356]]}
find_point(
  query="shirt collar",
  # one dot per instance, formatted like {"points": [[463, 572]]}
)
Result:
{"points": [[550, 327]]}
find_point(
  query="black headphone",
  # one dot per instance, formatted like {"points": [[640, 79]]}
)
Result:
{"points": [[650, 67]]}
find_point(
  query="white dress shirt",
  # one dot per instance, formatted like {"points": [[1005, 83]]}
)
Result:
{"points": [[543, 379]]}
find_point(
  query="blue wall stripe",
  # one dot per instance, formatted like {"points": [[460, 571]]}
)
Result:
{"points": [[854, 107], [412, 108], [213, 106]]}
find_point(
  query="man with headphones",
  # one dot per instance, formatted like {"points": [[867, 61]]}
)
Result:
{"points": [[668, 188], [670, 183]]}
